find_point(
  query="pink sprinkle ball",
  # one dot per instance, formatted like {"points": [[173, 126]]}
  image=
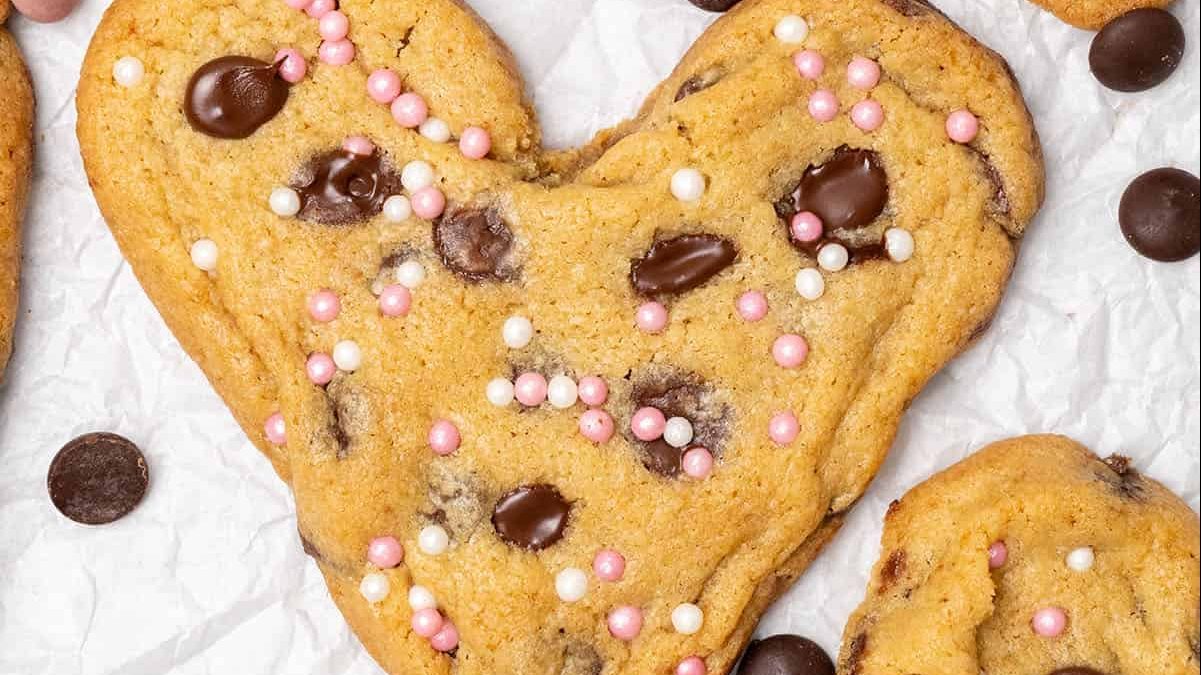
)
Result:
{"points": [[593, 390], [806, 227], [809, 64], [324, 306], [333, 26], [444, 437], [962, 126], [428, 202], [320, 368], [427, 622], [319, 8], [651, 317], [276, 430], [359, 145], [1049, 622], [410, 110], [823, 105], [385, 552], [475, 143], [751, 306], [383, 86], [998, 554], [336, 52], [447, 639], [609, 565], [693, 665], [597, 426], [298, 4], [790, 350], [292, 66], [863, 73], [625, 622], [648, 424], [697, 463], [868, 115], [395, 300], [530, 389], [783, 428]]}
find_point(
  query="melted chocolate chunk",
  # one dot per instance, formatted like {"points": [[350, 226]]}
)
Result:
{"points": [[581, 659], [349, 415], [662, 458], [714, 5], [456, 501], [342, 188], [476, 244], [232, 96], [848, 191], [909, 8], [532, 517], [1160, 214], [894, 569], [1124, 478], [310, 549], [1137, 50], [678, 394], [1076, 670], [97, 478], [698, 83], [681, 264], [785, 655]]}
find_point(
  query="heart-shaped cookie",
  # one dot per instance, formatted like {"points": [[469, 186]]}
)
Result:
{"points": [[1032, 556], [578, 412], [16, 153]]}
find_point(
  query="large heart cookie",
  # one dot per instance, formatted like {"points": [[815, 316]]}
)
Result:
{"points": [[1032, 556], [573, 413], [16, 153]]}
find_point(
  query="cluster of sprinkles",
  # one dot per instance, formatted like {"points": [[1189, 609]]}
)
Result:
{"points": [[385, 553], [1049, 621]]}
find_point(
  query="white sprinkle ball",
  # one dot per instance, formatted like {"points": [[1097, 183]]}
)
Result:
{"points": [[571, 584], [433, 540], [204, 254]]}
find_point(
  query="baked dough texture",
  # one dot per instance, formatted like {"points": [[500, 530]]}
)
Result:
{"points": [[16, 151], [1114, 550], [357, 454]]}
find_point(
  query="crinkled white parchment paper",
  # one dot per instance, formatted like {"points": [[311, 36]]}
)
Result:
{"points": [[207, 576]]}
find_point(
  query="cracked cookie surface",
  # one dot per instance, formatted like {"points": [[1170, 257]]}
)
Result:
{"points": [[1032, 556], [431, 370], [16, 138]]}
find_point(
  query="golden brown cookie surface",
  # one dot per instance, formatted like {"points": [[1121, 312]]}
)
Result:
{"points": [[16, 135], [524, 495], [1032, 556]]}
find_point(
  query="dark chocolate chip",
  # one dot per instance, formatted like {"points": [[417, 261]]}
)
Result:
{"points": [[681, 264], [232, 96], [698, 83], [1076, 670], [1160, 214], [1137, 50], [662, 458], [1000, 199], [342, 188], [476, 244], [785, 655], [532, 517], [714, 5], [848, 191], [97, 478]]}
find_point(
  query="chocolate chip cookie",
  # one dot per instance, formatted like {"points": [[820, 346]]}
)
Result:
{"points": [[1032, 556], [16, 138], [576, 412]]}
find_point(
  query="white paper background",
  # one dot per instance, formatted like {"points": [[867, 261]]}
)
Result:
{"points": [[207, 576]]}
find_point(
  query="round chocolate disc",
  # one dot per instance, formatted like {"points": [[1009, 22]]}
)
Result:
{"points": [[714, 5], [532, 517], [97, 478], [1160, 214], [785, 655], [1137, 50]]}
